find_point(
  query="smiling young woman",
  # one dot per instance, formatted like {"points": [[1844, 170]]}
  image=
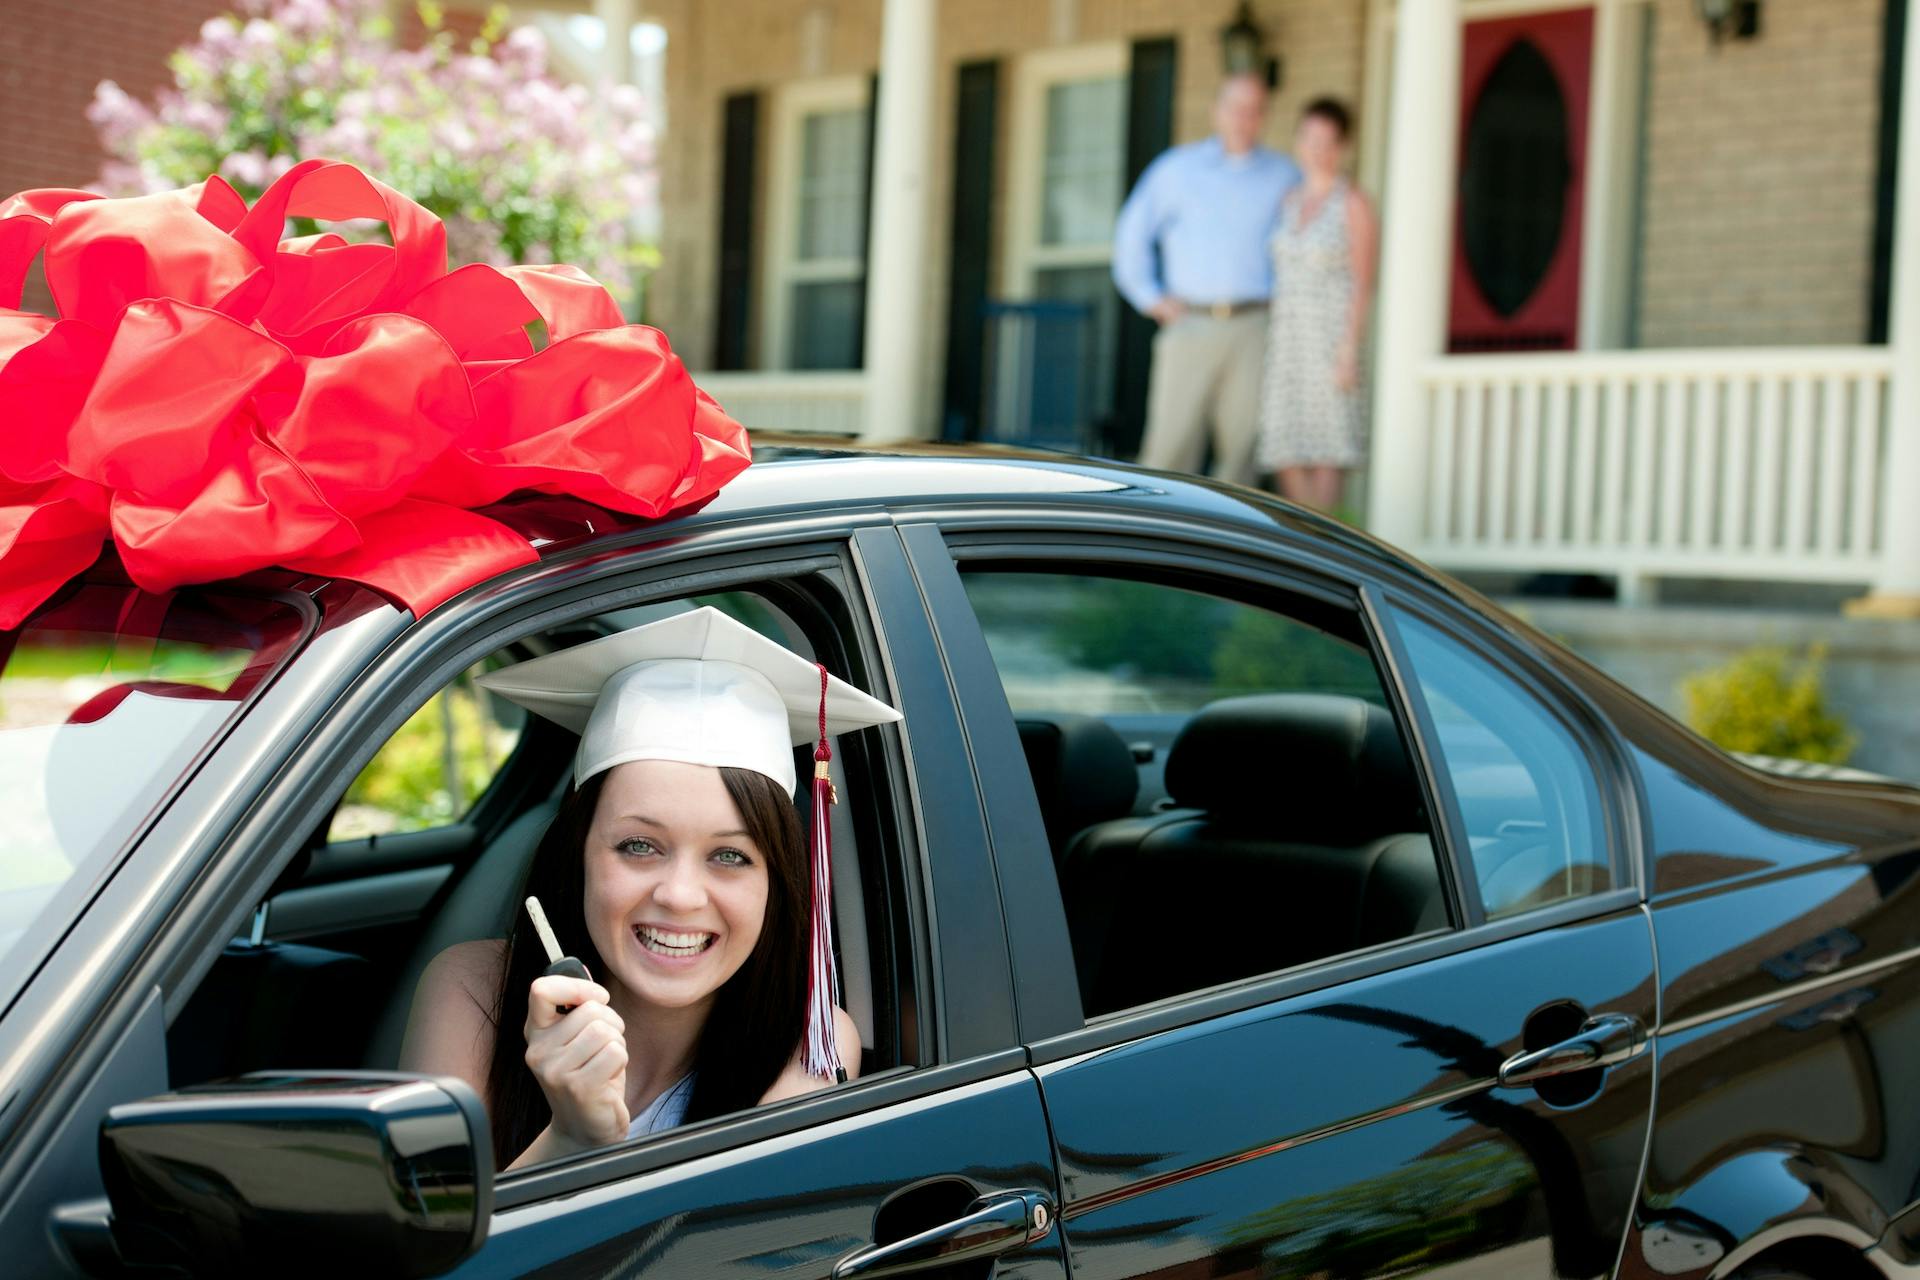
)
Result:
{"points": [[676, 871]]}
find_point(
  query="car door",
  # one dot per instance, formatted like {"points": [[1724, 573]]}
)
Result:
{"points": [[894, 1169], [944, 1152], [1472, 1084]]}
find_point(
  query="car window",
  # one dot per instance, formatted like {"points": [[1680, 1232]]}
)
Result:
{"points": [[436, 764], [106, 697], [1188, 747], [356, 978], [1524, 786]]}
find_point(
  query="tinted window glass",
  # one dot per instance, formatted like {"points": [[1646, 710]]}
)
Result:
{"points": [[1524, 786], [1183, 743], [106, 697]]}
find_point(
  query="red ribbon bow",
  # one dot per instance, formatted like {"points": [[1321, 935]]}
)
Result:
{"points": [[215, 399]]}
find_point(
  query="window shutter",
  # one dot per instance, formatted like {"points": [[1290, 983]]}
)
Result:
{"points": [[739, 134], [1150, 84], [866, 243], [976, 100]]}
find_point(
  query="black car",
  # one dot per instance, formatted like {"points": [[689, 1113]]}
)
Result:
{"points": [[1237, 898]]}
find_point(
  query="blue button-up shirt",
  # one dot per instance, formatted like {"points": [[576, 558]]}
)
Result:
{"points": [[1209, 214]]}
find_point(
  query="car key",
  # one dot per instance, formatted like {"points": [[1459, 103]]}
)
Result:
{"points": [[566, 966]]}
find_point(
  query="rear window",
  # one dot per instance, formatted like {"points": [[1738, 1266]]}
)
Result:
{"points": [[106, 698]]}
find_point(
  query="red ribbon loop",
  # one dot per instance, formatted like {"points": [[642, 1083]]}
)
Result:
{"points": [[216, 399]]}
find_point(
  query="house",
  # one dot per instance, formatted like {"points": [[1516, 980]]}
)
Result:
{"points": [[1649, 309], [1643, 308]]}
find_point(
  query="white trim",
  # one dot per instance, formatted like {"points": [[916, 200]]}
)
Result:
{"points": [[792, 104], [1033, 75]]}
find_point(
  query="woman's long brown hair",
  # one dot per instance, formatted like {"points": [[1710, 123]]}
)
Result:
{"points": [[754, 1027]]}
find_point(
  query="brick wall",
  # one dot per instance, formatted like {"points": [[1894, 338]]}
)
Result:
{"points": [[53, 55], [1760, 167]]}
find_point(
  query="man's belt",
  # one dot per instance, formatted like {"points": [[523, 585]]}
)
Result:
{"points": [[1225, 310]]}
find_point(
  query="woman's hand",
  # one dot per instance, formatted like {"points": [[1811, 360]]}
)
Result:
{"points": [[579, 1058]]}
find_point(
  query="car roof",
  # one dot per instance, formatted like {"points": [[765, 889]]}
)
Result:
{"points": [[794, 474]]}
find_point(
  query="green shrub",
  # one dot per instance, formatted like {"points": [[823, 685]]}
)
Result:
{"points": [[1767, 702], [415, 778]]}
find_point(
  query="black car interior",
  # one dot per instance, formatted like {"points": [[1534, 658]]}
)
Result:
{"points": [[1292, 829]]}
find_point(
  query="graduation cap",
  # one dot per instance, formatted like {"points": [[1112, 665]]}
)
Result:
{"points": [[703, 689]]}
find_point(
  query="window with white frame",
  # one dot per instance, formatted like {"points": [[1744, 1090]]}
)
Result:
{"points": [[1067, 181], [817, 285]]}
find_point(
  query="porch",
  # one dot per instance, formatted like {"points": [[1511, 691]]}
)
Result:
{"points": [[1741, 463]]}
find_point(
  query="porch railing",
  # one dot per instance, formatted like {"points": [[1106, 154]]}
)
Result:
{"points": [[1741, 463], [824, 403]]}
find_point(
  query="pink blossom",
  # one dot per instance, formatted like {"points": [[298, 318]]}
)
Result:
{"points": [[258, 36], [219, 37], [245, 169], [116, 113], [524, 51]]}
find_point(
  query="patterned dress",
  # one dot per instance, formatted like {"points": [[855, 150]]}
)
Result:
{"points": [[1305, 420]]}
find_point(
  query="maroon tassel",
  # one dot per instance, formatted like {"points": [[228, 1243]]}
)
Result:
{"points": [[821, 1055]]}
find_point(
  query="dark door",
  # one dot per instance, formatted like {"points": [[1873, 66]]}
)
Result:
{"points": [[1524, 88], [1298, 999]]}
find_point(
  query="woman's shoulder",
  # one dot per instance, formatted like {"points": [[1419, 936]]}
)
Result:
{"points": [[794, 1080], [450, 1028], [474, 967]]}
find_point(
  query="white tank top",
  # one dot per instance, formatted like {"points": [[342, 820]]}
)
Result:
{"points": [[665, 1111]]}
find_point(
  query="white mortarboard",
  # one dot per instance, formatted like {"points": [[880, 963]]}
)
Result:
{"points": [[697, 687], [701, 688]]}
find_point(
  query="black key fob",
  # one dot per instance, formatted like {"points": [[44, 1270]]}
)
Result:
{"points": [[567, 967]]}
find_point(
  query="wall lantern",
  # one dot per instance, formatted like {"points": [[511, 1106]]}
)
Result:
{"points": [[1737, 18], [1243, 48]]}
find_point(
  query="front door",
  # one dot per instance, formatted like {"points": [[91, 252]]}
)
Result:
{"points": [[1524, 99]]}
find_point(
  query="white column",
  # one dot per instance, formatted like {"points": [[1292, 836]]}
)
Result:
{"points": [[1606, 250], [897, 244], [1417, 212], [616, 55], [1897, 592]]}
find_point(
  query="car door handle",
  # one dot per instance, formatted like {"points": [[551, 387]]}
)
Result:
{"points": [[993, 1225], [1604, 1040]]}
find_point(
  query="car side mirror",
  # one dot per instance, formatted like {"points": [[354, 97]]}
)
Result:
{"points": [[317, 1172]]}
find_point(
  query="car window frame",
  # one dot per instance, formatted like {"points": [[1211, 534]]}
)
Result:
{"points": [[404, 662], [1264, 563], [1227, 573], [1586, 727]]}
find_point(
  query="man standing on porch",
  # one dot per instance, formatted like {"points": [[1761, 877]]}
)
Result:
{"points": [[1190, 250]]}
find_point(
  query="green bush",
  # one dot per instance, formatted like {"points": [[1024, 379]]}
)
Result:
{"points": [[415, 778], [1767, 702]]}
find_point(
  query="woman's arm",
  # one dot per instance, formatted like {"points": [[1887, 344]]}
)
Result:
{"points": [[1363, 244], [450, 1027], [795, 1081]]}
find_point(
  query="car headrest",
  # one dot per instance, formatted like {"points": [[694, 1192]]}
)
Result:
{"points": [[1082, 772], [1316, 762]]}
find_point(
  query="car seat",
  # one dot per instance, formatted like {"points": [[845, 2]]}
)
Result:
{"points": [[1301, 833]]}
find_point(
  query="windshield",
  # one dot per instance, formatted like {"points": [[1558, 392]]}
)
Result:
{"points": [[106, 697]]}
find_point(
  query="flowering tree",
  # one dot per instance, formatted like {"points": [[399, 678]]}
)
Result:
{"points": [[520, 167]]}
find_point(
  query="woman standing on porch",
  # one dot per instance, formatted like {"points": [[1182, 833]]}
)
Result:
{"points": [[1312, 418]]}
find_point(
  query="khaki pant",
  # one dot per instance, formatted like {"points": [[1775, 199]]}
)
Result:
{"points": [[1206, 385]]}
